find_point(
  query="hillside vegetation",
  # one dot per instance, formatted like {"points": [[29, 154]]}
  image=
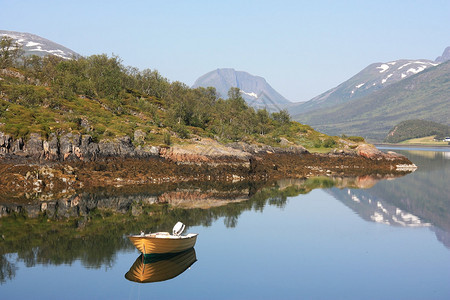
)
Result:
{"points": [[412, 129], [99, 96], [422, 96]]}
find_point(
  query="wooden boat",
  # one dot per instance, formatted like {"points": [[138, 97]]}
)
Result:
{"points": [[160, 267], [163, 242]]}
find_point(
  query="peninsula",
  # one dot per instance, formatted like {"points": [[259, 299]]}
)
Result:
{"points": [[90, 121]]}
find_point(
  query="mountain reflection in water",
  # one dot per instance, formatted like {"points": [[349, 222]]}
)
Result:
{"points": [[151, 268], [420, 199], [91, 226]]}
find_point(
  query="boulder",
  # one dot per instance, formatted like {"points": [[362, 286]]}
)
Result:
{"points": [[147, 151], [139, 136], [369, 151]]}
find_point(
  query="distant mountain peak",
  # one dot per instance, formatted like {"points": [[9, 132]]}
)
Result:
{"points": [[444, 57], [35, 45], [374, 77], [254, 89]]}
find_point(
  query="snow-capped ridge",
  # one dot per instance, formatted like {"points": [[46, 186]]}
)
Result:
{"points": [[36, 45]]}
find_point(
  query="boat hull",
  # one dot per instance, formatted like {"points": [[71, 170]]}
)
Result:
{"points": [[166, 266], [158, 245]]}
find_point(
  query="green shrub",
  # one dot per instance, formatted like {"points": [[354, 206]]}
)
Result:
{"points": [[356, 139], [181, 130], [167, 138], [329, 143], [317, 143]]}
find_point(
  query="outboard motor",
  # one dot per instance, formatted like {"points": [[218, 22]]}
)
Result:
{"points": [[178, 229]]}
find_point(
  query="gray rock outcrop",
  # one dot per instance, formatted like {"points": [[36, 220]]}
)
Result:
{"points": [[73, 147], [255, 149]]}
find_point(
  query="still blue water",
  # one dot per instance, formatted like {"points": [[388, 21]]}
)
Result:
{"points": [[338, 243]]}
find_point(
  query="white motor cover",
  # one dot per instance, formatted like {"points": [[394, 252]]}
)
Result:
{"points": [[178, 228]]}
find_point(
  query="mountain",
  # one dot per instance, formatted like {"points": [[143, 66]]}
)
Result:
{"points": [[422, 96], [254, 89], [444, 57], [36, 45], [375, 77]]}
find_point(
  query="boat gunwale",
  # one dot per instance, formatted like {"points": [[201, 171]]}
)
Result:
{"points": [[166, 237]]}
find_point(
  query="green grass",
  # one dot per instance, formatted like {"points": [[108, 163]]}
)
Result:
{"points": [[428, 140]]}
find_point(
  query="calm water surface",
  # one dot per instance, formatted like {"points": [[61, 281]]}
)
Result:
{"points": [[389, 241]]}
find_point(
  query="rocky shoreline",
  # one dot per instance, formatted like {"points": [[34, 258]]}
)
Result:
{"points": [[190, 195], [72, 161]]}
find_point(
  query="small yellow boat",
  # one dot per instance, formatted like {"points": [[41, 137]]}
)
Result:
{"points": [[163, 242], [160, 268]]}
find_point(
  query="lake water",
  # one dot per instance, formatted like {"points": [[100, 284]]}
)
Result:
{"points": [[314, 239]]}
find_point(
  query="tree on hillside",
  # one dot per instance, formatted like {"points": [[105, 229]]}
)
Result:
{"points": [[282, 117], [153, 83], [106, 74], [10, 52]]}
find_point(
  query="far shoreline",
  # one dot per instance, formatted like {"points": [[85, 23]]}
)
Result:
{"points": [[410, 146]]}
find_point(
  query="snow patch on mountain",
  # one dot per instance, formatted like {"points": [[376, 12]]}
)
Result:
{"points": [[251, 94], [31, 44], [385, 79], [383, 68], [415, 71], [407, 64]]}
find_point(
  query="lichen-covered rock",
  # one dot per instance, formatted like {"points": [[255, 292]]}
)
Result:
{"points": [[68, 143], [205, 151], [34, 146], [369, 151], [126, 147], [257, 149], [147, 151], [5, 143], [17, 145], [88, 150], [139, 136], [51, 148], [119, 147]]}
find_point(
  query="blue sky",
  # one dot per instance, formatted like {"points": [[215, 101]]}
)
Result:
{"points": [[302, 48]]}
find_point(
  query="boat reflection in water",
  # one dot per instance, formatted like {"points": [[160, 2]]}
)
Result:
{"points": [[160, 267]]}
